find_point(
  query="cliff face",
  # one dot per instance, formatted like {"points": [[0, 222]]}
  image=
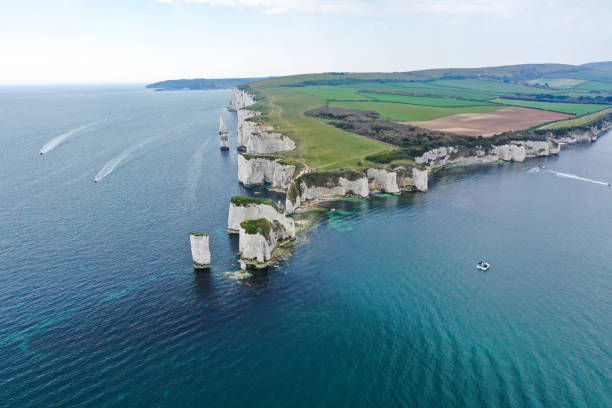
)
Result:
{"points": [[393, 181], [240, 213], [307, 188], [200, 251], [240, 99], [302, 190], [255, 247], [253, 137], [517, 150], [383, 180], [259, 170]]}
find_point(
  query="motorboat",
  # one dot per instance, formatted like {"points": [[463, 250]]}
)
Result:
{"points": [[483, 266]]}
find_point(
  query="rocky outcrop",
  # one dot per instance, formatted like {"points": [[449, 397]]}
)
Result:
{"points": [[258, 239], [255, 170], [253, 137], [312, 186], [515, 150], [200, 251], [383, 180], [246, 208], [240, 99], [401, 178]]}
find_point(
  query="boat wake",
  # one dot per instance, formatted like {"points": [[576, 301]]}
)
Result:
{"points": [[533, 170], [58, 140], [115, 162], [575, 177], [194, 172]]}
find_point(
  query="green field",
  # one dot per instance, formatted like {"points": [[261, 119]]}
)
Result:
{"points": [[400, 112], [560, 83], [333, 93], [319, 145], [571, 108], [595, 86], [494, 87], [423, 100]]}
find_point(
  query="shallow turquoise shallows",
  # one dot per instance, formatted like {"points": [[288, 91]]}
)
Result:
{"points": [[381, 305]]}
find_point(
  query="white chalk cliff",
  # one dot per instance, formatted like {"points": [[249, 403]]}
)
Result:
{"points": [[516, 150], [253, 211], [300, 191], [200, 251], [260, 170], [253, 137], [240, 99]]}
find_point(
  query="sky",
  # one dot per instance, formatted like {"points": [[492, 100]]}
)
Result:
{"points": [[142, 41]]}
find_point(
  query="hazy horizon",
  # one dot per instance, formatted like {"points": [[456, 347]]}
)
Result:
{"points": [[67, 42]]}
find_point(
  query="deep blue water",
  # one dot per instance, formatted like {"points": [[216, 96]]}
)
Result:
{"points": [[381, 305]]}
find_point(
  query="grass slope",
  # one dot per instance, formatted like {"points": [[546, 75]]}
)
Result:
{"points": [[318, 144]]}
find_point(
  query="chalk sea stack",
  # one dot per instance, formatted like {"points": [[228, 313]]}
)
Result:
{"points": [[200, 251], [224, 136]]}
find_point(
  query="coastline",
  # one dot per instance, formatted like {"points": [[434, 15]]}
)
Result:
{"points": [[378, 179]]}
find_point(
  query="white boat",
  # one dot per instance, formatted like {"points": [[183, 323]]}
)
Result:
{"points": [[483, 266]]}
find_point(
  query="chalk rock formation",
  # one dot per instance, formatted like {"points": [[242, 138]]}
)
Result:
{"points": [[246, 208], [383, 180], [200, 251], [240, 99], [258, 238], [252, 136], [255, 170], [517, 150], [312, 186]]}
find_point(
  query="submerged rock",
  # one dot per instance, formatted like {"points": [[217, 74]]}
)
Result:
{"points": [[200, 251]]}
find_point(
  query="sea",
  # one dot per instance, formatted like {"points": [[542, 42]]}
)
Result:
{"points": [[380, 305]]}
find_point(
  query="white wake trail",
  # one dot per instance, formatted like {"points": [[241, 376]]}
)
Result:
{"points": [[57, 140], [575, 177], [112, 164], [533, 170]]}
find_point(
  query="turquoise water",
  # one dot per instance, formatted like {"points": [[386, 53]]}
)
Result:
{"points": [[381, 305]]}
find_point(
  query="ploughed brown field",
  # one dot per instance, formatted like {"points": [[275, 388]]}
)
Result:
{"points": [[489, 124]]}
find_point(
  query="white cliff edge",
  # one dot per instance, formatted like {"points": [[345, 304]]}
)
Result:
{"points": [[516, 150], [259, 170], [257, 240], [200, 251], [252, 211], [307, 188], [253, 137]]}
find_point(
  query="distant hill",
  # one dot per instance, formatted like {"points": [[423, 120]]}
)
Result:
{"points": [[602, 66], [200, 83]]}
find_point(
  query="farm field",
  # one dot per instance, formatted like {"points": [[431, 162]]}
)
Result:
{"points": [[423, 100], [489, 124], [333, 93], [557, 82], [571, 108], [490, 86], [595, 86], [400, 112]]}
